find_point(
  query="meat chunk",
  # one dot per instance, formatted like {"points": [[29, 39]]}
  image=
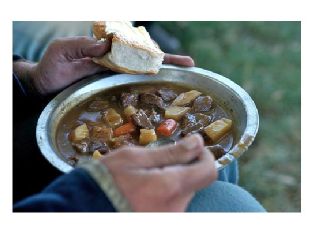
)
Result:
{"points": [[193, 123], [217, 150], [140, 119], [153, 115], [202, 104], [81, 146], [73, 159], [152, 99], [123, 140], [129, 99], [167, 94], [98, 145]]}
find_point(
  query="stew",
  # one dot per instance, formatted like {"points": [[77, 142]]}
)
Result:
{"points": [[140, 115]]}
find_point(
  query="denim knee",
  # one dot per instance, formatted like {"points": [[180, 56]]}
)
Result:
{"points": [[224, 197]]}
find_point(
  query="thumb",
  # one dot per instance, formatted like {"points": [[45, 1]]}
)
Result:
{"points": [[82, 47], [97, 49], [183, 152]]}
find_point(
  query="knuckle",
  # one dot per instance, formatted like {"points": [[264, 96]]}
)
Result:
{"points": [[56, 42]]}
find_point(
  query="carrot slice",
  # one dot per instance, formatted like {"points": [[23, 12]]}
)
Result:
{"points": [[167, 127], [124, 129]]}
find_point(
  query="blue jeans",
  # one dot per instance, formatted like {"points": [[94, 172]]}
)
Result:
{"points": [[225, 195], [30, 39]]}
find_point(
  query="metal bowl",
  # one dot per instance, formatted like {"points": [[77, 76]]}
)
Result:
{"points": [[228, 94]]}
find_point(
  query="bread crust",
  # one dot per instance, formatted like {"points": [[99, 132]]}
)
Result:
{"points": [[99, 31]]}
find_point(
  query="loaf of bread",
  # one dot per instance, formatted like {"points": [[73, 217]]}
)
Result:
{"points": [[132, 49]]}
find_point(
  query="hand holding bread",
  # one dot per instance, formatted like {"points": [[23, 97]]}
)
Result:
{"points": [[118, 46]]}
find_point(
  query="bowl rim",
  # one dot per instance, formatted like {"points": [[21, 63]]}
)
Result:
{"points": [[248, 136]]}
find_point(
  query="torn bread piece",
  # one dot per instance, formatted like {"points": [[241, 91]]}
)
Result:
{"points": [[132, 50]]}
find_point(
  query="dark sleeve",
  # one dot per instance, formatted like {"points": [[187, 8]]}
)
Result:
{"points": [[73, 192], [23, 101], [19, 92]]}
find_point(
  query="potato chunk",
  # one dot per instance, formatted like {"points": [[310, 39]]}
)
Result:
{"points": [[176, 112], [96, 155], [147, 136], [79, 133], [101, 132], [186, 98], [112, 118], [218, 129], [129, 111]]}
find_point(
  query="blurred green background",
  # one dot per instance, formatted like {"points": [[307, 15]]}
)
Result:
{"points": [[264, 58]]}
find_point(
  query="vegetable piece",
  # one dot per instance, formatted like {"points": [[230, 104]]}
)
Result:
{"points": [[124, 129], [218, 129], [79, 133], [167, 127], [176, 112], [123, 140], [101, 132], [147, 136], [96, 155], [112, 118], [186, 98], [129, 111]]}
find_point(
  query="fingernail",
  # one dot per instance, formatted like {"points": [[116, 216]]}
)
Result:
{"points": [[191, 142]]}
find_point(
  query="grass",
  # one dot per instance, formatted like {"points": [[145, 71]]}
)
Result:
{"points": [[264, 58]]}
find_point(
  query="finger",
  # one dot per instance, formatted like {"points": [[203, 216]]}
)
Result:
{"points": [[86, 67], [81, 47], [183, 152], [186, 61], [190, 178]]}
